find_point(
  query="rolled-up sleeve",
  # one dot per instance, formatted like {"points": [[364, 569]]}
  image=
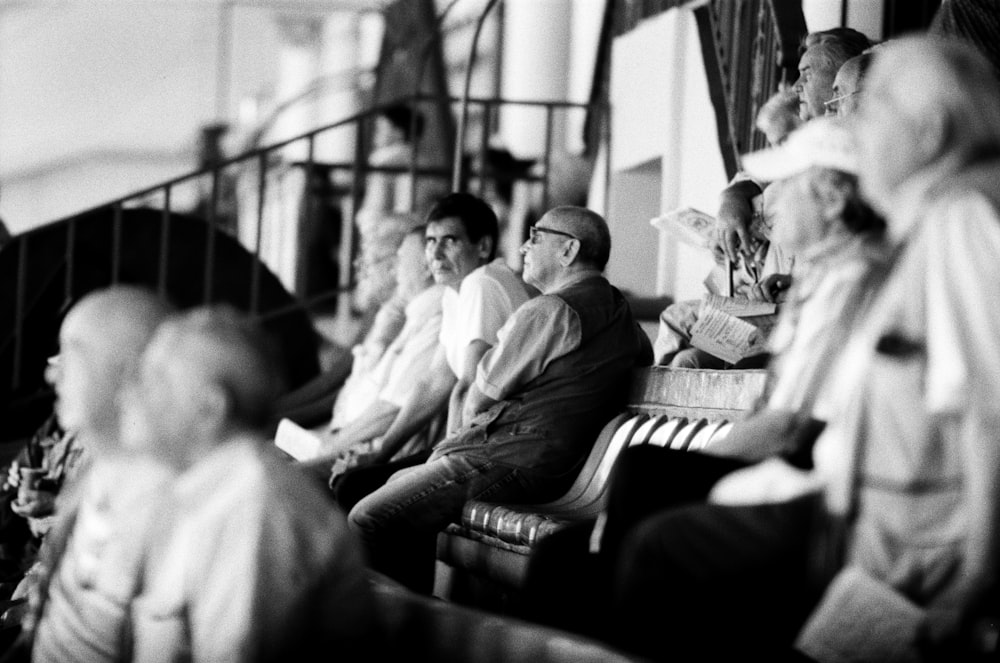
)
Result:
{"points": [[540, 331]]}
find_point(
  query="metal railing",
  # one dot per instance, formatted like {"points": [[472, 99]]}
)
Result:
{"points": [[259, 164]]}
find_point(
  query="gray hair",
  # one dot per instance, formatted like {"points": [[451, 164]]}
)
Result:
{"points": [[943, 77], [591, 229]]}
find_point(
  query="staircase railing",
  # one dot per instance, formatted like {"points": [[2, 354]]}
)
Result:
{"points": [[164, 196]]}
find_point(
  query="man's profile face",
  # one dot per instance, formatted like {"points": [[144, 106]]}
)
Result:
{"points": [[411, 264], [888, 144], [155, 412], [815, 83], [451, 255], [846, 88], [542, 251], [83, 393]]}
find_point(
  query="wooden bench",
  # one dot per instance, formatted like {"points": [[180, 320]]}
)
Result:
{"points": [[483, 559]]}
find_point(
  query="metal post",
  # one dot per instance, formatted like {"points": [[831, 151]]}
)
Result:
{"points": [[161, 279], [463, 116]]}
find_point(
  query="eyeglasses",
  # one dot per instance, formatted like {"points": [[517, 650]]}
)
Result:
{"points": [[534, 230], [832, 104]]}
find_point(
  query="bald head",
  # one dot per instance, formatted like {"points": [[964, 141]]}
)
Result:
{"points": [[100, 342], [590, 228], [930, 104], [207, 374]]}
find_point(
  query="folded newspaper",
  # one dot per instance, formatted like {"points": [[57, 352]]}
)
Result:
{"points": [[298, 442], [733, 328], [697, 228]]}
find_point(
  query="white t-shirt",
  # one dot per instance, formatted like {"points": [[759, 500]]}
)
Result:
{"points": [[484, 301]]}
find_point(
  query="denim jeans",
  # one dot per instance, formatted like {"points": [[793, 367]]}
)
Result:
{"points": [[399, 522]]}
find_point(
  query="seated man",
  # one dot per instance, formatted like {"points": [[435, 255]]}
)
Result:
{"points": [[556, 376], [247, 561], [370, 400], [823, 53], [841, 243], [480, 294], [888, 549], [87, 564]]}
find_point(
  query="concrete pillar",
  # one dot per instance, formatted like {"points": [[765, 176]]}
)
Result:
{"points": [[298, 61], [339, 67], [535, 67]]}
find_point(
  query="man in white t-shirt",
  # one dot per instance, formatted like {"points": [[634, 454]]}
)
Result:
{"points": [[481, 292]]}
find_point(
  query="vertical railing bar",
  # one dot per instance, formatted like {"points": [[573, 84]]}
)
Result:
{"points": [[607, 164], [161, 279], [548, 156], [22, 277], [414, 146], [210, 230], [312, 190], [116, 242], [255, 270], [484, 145], [70, 261], [346, 271]]}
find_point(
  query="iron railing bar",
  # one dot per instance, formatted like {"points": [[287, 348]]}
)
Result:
{"points": [[161, 278], [304, 303], [549, 113], [210, 230], [463, 115], [70, 261], [22, 278], [484, 144], [255, 268], [255, 153], [116, 242]]}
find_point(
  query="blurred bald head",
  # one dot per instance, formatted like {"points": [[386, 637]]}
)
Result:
{"points": [[209, 373], [930, 105], [100, 342]]}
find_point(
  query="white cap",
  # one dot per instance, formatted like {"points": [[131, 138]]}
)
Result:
{"points": [[823, 141]]}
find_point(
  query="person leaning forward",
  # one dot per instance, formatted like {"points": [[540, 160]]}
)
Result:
{"points": [[557, 374]]}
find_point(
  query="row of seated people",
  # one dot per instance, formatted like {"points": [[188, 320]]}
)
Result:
{"points": [[853, 515], [897, 496], [880, 376]]}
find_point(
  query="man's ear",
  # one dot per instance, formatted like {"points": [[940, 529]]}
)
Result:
{"points": [[485, 245], [934, 135], [569, 253], [214, 405], [832, 201]]}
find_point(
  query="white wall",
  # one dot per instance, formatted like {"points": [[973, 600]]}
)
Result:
{"points": [[102, 98], [863, 15], [662, 113]]}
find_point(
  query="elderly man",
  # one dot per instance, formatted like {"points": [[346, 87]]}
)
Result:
{"points": [[894, 558], [540, 395], [824, 53], [480, 294], [248, 561], [89, 561]]}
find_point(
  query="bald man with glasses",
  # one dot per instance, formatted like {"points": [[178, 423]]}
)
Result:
{"points": [[541, 395]]}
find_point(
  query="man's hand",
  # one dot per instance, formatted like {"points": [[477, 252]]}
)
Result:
{"points": [[34, 504], [733, 219], [770, 481], [771, 289]]}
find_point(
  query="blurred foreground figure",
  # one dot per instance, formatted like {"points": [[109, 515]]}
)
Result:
{"points": [[250, 561], [89, 562], [894, 556]]}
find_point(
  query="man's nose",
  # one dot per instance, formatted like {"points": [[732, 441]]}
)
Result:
{"points": [[52, 372], [524, 247]]}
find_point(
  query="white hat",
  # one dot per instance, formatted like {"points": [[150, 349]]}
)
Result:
{"points": [[823, 141]]}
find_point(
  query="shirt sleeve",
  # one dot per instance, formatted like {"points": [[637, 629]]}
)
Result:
{"points": [[412, 363], [483, 309], [540, 331], [963, 306]]}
